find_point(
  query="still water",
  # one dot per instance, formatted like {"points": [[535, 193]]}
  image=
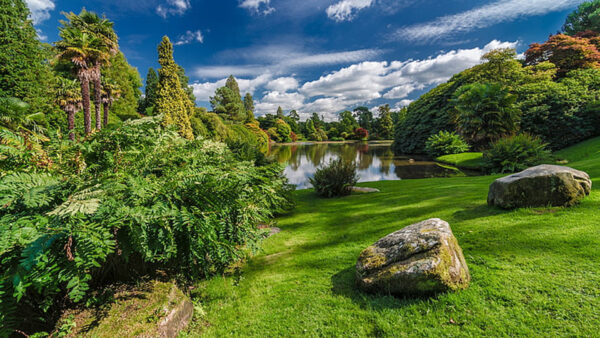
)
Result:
{"points": [[375, 161]]}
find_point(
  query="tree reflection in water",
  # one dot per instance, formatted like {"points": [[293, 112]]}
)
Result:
{"points": [[375, 162]]}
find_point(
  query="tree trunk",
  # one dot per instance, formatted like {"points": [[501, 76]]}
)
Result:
{"points": [[106, 108], [71, 120], [85, 96], [98, 99]]}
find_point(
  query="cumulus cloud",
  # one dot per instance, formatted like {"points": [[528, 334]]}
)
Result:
{"points": [[345, 10], [481, 17], [204, 90], [173, 7], [357, 84], [40, 10], [403, 103], [258, 6], [190, 37], [282, 84]]}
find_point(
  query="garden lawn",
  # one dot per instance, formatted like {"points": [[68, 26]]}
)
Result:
{"points": [[535, 272], [464, 160]]}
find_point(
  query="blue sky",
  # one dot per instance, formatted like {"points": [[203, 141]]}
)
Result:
{"points": [[318, 55]]}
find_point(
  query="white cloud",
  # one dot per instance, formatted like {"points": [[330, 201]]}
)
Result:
{"points": [[173, 7], [403, 103], [282, 84], [357, 84], [258, 6], [40, 10], [345, 10], [274, 99], [203, 91], [402, 91], [190, 37], [485, 16]]}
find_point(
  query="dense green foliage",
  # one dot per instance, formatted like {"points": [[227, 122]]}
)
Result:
{"points": [[515, 153], [586, 17], [129, 200], [485, 112], [335, 179], [24, 72], [445, 143]]}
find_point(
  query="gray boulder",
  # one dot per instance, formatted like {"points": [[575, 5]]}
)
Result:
{"points": [[544, 185], [421, 259]]}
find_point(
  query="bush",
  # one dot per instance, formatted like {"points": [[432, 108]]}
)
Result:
{"points": [[361, 134], [128, 201], [445, 143], [515, 153], [336, 179]]}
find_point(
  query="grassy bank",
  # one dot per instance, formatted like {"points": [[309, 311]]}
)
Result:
{"points": [[535, 271], [473, 161]]}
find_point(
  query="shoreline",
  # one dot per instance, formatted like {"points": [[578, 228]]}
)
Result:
{"points": [[300, 143]]}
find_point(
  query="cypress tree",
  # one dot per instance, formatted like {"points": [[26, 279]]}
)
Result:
{"points": [[171, 99], [24, 72], [151, 87], [279, 112], [249, 106]]}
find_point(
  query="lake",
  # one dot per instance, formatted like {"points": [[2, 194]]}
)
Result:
{"points": [[375, 161]]}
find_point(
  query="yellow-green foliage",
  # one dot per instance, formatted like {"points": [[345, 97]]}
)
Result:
{"points": [[209, 125], [172, 100], [261, 136]]}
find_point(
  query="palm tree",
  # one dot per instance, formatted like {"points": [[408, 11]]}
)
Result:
{"points": [[81, 49], [101, 28], [69, 99], [110, 93]]}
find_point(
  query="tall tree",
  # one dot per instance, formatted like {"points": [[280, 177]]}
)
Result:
{"points": [[185, 84], [102, 29], [24, 72], [69, 99], [171, 99], [128, 81], [365, 118], [386, 124], [294, 115], [150, 92], [280, 112], [249, 106], [110, 93], [227, 102], [586, 17], [81, 49], [233, 85]]}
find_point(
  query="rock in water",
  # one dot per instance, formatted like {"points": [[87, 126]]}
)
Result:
{"points": [[544, 185], [421, 259]]}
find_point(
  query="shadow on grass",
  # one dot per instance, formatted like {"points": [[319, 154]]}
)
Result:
{"points": [[344, 284]]}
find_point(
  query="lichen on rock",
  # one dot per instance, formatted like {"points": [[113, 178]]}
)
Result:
{"points": [[421, 259]]}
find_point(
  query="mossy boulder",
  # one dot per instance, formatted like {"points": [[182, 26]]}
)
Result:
{"points": [[419, 260], [150, 309], [544, 185]]}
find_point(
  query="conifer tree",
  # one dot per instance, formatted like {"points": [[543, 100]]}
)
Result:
{"points": [[171, 99], [150, 92], [280, 112], [24, 74], [249, 106], [233, 85]]}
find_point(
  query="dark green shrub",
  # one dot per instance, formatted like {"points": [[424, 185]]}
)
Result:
{"points": [[336, 179], [445, 143], [515, 153]]}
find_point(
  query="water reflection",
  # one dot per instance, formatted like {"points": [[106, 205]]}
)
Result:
{"points": [[375, 162]]}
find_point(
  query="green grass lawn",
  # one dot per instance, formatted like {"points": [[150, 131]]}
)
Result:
{"points": [[535, 272], [464, 160]]}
